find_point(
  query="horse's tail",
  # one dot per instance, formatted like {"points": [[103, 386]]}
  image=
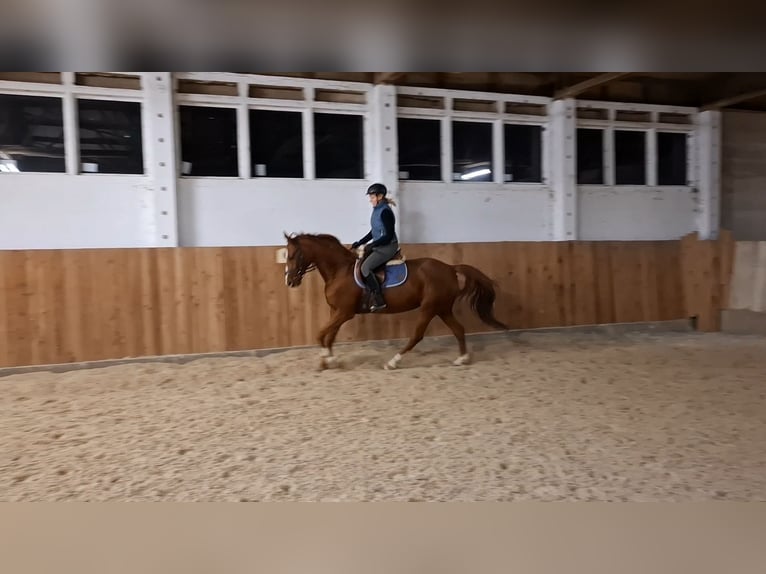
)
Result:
{"points": [[480, 292]]}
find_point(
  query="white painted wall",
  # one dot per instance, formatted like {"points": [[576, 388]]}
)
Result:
{"points": [[239, 212], [635, 213], [465, 212], [73, 211], [231, 212], [68, 212]]}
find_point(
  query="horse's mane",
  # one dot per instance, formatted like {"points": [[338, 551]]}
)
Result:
{"points": [[320, 236], [327, 240]]}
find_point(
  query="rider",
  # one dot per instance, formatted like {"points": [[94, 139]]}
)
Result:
{"points": [[384, 244]]}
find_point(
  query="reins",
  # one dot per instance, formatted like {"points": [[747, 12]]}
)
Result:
{"points": [[303, 269]]}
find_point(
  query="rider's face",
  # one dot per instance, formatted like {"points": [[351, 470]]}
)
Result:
{"points": [[375, 200]]}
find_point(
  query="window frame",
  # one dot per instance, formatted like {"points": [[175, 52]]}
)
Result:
{"points": [[61, 102], [179, 140], [543, 152], [498, 118], [690, 157], [366, 143], [285, 109], [606, 156], [650, 156], [142, 112], [437, 119], [243, 102], [493, 124], [69, 92], [651, 128]]}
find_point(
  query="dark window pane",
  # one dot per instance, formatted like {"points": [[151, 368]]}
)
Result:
{"points": [[590, 156], [523, 153], [671, 158], [31, 134], [209, 141], [339, 145], [419, 149], [472, 151], [110, 136], [276, 143], [629, 157]]}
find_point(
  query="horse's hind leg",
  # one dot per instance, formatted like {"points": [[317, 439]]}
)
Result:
{"points": [[455, 326], [426, 315]]}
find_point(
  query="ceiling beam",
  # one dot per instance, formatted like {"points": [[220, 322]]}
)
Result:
{"points": [[585, 85], [387, 77], [736, 99]]}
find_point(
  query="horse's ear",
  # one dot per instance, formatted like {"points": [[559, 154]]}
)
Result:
{"points": [[288, 237]]}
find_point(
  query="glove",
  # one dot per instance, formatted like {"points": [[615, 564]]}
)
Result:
{"points": [[355, 245]]}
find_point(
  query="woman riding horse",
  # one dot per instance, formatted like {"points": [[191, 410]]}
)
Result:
{"points": [[384, 243]]}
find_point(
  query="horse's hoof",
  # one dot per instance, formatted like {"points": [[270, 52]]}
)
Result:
{"points": [[462, 360], [393, 363]]}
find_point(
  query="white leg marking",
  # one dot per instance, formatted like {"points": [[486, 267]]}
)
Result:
{"points": [[393, 363], [327, 359], [462, 360]]}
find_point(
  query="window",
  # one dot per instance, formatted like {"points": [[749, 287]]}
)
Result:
{"points": [[671, 158], [209, 141], [339, 146], [276, 143], [523, 153], [31, 134], [110, 137], [629, 157], [419, 149], [590, 156], [471, 151]]}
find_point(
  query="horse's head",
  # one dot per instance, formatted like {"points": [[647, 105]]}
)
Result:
{"points": [[297, 265], [306, 252]]}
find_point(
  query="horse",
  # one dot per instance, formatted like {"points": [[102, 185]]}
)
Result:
{"points": [[431, 285]]}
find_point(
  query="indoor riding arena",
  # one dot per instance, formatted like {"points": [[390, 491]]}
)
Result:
{"points": [[152, 349]]}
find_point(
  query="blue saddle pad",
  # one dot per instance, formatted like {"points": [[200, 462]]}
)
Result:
{"points": [[395, 275]]}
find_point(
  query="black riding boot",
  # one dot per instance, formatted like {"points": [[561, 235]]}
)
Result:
{"points": [[377, 303]]}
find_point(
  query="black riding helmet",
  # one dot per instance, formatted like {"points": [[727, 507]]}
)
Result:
{"points": [[377, 189]]}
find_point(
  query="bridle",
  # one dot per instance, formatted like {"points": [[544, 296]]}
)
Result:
{"points": [[302, 268]]}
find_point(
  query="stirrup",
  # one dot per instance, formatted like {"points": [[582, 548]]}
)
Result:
{"points": [[378, 302]]}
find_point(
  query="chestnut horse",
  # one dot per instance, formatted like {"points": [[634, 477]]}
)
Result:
{"points": [[431, 285]]}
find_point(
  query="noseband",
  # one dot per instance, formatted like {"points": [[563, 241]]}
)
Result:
{"points": [[302, 268]]}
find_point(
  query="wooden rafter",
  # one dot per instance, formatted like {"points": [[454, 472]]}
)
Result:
{"points": [[580, 87], [736, 99], [387, 77]]}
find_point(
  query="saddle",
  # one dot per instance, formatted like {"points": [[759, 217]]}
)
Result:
{"points": [[390, 274]]}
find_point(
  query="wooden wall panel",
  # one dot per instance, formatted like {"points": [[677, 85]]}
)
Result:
{"points": [[628, 282], [584, 291], [81, 305], [748, 285], [706, 274], [605, 279], [743, 177]]}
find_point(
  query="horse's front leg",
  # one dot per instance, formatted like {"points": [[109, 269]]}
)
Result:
{"points": [[327, 337]]}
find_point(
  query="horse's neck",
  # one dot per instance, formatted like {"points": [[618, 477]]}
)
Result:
{"points": [[329, 262]]}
